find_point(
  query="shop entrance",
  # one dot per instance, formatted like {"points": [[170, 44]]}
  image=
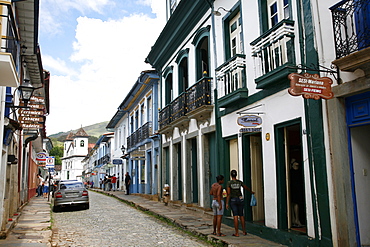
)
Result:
{"points": [[358, 118], [253, 173], [290, 177]]}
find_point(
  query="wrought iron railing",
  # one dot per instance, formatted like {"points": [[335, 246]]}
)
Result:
{"points": [[274, 48], [199, 94], [178, 107], [351, 24], [165, 117], [196, 96], [140, 135], [10, 41], [231, 75]]}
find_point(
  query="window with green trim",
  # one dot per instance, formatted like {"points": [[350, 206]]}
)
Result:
{"points": [[168, 87], [183, 75], [202, 51], [278, 10]]}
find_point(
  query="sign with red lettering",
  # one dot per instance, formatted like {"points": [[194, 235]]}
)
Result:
{"points": [[310, 86]]}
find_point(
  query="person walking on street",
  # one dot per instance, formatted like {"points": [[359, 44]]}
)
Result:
{"points": [[114, 182], [39, 187], [127, 183], [100, 183], [45, 189], [235, 197], [218, 205]]}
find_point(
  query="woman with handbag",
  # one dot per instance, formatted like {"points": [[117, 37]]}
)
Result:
{"points": [[235, 197]]}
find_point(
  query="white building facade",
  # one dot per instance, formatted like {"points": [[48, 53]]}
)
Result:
{"points": [[75, 150]]}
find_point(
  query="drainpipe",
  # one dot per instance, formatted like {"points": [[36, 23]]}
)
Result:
{"points": [[24, 190]]}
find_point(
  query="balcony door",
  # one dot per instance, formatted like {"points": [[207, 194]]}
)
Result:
{"points": [[277, 10], [236, 40]]}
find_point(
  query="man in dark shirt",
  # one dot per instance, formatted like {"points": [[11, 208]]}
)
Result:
{"points": [[127, 183]]}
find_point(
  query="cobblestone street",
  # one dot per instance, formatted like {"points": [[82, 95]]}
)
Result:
{"points": [[110, 222]]}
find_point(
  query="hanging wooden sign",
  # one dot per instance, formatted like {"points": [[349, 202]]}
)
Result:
{"points": [[310, 86]]}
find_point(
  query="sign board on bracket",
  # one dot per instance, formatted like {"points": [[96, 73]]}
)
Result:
{"points": [[249, 121], [310, 86]]}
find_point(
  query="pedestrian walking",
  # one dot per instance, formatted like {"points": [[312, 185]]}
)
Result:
{"points": [[92, 184], [118, 181], [127, 183], [235, 197], [109, 182], [39, 187], [100, 183], [218, 205], [45, 189], [114, 182]]}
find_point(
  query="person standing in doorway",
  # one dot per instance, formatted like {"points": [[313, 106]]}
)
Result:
{"points": [[218, 205], [114, 182], [235, 197], [127, 183]]}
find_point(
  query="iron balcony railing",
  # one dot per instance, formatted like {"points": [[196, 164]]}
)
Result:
{"points": [[274, 48], [231, 75], [10, 41], [196, 96], [351, 24], [199, 94], [140, 135], [165, 116], [104, 160], [178, 107]]}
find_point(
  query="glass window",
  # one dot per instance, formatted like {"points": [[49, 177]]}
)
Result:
{"points": [[286, 9], [82, 143], [274, 14]]}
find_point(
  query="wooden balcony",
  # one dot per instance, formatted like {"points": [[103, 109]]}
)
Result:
{"points": [[273, 54]]}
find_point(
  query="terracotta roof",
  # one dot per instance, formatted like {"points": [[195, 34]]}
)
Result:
{"points": [[70, 136], [81, 132]]}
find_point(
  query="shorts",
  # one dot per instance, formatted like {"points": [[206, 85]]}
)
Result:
{"points": [[216, 207], [237, 206]]}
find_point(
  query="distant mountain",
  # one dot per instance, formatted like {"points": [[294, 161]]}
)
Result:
{"points": [[92, 130]]}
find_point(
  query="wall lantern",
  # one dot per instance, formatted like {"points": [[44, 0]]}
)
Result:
{"points": [[218, 13], [26, 90]]}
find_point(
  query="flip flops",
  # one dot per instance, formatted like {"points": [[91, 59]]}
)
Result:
{"points": [[221, 235]]}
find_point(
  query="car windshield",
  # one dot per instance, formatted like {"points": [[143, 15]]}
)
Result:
{"points": [[70, 185]]}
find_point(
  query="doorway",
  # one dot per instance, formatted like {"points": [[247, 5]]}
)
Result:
{"points": [[358, 116], [290, 177]]}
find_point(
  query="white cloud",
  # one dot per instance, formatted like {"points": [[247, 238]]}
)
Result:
{"points": [[56, 64], [111, 54]]}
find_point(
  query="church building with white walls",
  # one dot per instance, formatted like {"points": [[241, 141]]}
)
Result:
{"points": [[75, 150]]}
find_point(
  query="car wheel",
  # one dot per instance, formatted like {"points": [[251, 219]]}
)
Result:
{"points": [[87, 206], [56, 209]]}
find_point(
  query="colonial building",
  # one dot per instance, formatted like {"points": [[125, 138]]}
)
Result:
{"points": [[24, 105], [348, 120], [137, 143], [227, 103], [75, 150], [98, 163]]}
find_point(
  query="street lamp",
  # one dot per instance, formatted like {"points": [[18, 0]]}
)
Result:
{"points": [[26, 91], [123, 149]]}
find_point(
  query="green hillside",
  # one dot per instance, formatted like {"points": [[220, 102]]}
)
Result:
{"points": [[94, 131]]}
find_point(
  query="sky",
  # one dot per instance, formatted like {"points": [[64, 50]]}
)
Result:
{"points": [[95, 51]]}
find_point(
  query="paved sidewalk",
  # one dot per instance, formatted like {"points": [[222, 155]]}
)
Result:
{"points": [[196, 221], [31, 226]]}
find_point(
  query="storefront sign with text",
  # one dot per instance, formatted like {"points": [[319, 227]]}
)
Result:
{"points": [[310, 86]]}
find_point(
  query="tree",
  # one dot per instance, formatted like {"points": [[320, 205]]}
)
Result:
{"points": [[57, 152]]}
